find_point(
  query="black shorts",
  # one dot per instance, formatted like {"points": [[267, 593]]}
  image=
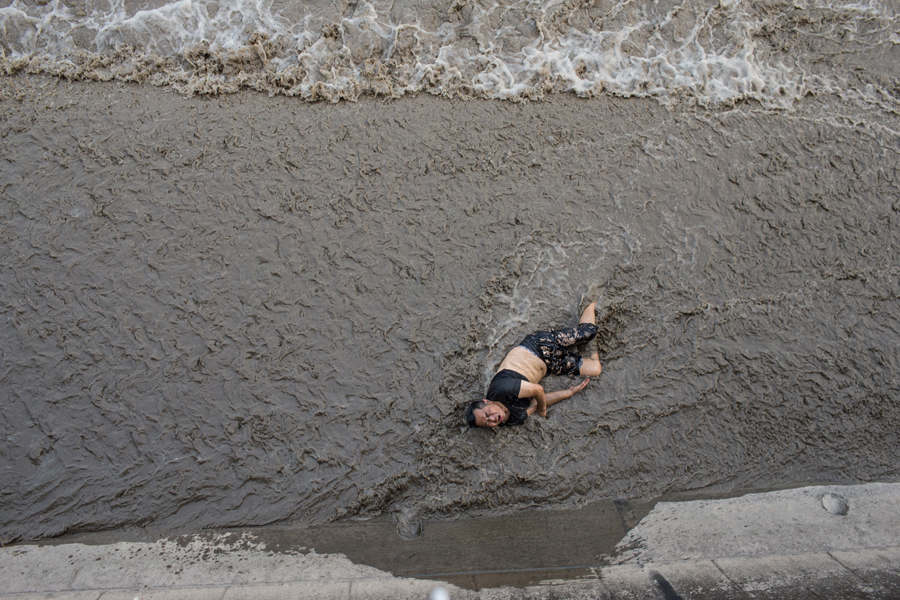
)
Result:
{"points": [[553, 347]]}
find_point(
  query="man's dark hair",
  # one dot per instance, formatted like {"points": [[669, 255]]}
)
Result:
{"points": [[470, 412]]}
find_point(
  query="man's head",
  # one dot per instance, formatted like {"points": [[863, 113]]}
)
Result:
{"points": [[485, 413]]}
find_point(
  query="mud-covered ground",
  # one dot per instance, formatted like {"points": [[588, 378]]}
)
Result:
{"points": [[241, 310]]}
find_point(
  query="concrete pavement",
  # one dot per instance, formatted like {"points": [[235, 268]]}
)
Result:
{"points": [[786, 544]]}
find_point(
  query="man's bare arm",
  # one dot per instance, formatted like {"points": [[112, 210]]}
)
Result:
{"points": [[534, 390], [548, 400]]}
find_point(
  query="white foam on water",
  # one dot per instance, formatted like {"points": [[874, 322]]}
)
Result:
{"points": [[713, 52]]}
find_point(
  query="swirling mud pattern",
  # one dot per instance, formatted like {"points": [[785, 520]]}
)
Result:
{"points": [[222, 307]]}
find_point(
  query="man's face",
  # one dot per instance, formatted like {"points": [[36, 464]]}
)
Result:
{"points": [[491, 415]]}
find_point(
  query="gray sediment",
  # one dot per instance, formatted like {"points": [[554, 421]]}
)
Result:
{"points": [[241, 310]]}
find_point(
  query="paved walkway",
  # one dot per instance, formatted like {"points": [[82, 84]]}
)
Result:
{"points": [[810, 543]]}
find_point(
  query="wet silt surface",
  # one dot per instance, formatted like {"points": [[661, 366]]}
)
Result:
{"points": [[243, 310]]}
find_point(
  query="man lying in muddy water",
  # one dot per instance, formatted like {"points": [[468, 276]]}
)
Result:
{"points": [[515, 391]]}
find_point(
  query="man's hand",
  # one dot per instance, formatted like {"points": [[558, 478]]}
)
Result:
{"points": [[543, 401], [577, 388]]}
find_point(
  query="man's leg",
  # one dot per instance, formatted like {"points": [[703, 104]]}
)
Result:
{"points": [[553, 346], [590, 367], [590, 314]]}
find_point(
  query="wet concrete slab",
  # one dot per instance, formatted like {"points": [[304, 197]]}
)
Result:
{"points": [[696, 579], [753, 574], [543, 555], [783, 522], [879, 568], [185, 593], [509, 550]]}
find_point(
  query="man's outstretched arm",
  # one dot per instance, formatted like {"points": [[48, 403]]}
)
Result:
{"points": [[542, 400]]}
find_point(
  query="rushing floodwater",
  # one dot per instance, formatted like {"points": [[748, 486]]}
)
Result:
{"points": [[711, 51], [239, 309]]}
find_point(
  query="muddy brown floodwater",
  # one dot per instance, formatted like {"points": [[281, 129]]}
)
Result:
{"points": [[240, 310]]}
